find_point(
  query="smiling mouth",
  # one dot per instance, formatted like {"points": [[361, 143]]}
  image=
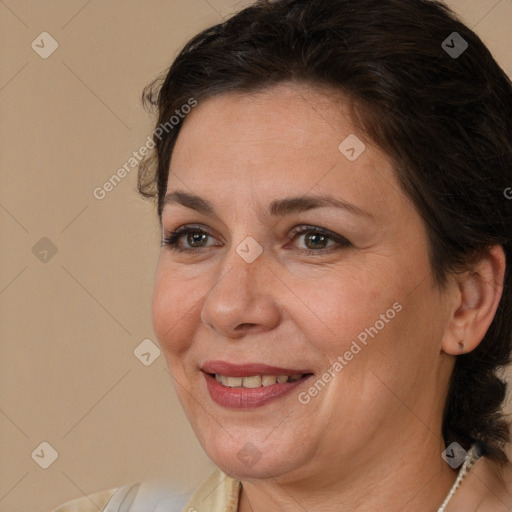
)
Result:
{"points": [[256, 381], [250, 385]]}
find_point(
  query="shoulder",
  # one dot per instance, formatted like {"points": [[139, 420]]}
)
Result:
{"points": [[143, 496]]}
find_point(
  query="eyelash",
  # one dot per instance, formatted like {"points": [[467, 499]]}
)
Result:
{"points": [[171, 240]]}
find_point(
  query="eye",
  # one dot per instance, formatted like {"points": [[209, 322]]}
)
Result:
{"points": [[195, 239], [317, 239]]}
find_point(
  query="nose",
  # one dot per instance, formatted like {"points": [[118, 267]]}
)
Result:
{"points": [[243, 299]]}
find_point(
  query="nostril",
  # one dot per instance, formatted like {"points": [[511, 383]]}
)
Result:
{"points": [[242, 327]]}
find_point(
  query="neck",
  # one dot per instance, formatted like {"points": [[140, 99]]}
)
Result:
{"points": [[406, 478]]}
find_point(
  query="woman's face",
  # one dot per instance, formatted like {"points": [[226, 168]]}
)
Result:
{"points": [[274, 280]]}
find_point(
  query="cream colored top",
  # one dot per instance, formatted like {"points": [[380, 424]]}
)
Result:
{"points": [[90, 503], [218, 493]]}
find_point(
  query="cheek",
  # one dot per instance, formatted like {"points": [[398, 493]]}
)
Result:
{"points": [[172, 311], [399, 345], [375, 321], [344, 304]]}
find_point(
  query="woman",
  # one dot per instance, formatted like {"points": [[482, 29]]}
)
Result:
{"points": [[333, 297]]}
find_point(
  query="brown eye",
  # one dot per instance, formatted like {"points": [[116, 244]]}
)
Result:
{"points": [[198, 238], [194, 239], [317, 240]]}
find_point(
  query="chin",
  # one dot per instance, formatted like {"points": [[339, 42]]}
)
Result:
{"points": [[250, 456]]}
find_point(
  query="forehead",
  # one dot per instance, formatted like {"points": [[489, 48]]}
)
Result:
{"points": [[277, 121], [288, 138]]}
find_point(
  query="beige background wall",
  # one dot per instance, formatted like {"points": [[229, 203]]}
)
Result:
{"points": [[70, 321]]}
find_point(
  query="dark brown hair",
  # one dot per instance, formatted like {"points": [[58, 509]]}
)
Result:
{"points": [[444, 120]]}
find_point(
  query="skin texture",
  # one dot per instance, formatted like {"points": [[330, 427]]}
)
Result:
{"points": [[371, 438]]}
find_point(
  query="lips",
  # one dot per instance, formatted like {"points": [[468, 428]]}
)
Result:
{"points": [[225, 383]]}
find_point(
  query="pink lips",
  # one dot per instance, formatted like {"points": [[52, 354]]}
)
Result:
{"points": [[243, 398]]}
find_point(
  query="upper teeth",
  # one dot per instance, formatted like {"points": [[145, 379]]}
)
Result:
{"points": [[255, 381]]}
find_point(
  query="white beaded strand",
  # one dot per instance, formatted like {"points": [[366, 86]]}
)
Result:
{"points": [[471, 458]]}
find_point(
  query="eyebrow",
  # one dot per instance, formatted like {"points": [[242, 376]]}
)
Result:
{"points": [[278, 207]]}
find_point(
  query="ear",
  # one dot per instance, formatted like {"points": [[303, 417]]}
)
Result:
{"points": [[476, 294]]}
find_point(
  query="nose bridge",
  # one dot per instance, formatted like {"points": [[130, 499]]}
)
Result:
{"points": [[241, 274], [241, 294], [245, 260]]}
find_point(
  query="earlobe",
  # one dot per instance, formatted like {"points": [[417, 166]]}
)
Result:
{"points": [[477, 299]]}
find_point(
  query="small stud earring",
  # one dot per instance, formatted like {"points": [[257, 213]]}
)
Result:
{"points": [[461, 345]]}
